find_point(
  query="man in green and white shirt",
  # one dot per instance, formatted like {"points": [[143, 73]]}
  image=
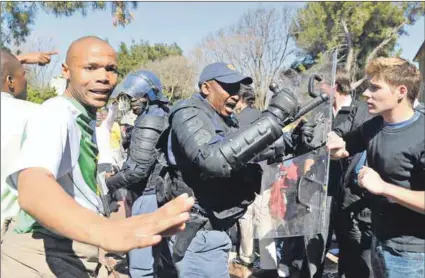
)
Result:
{"points": [[68, 136], [61, 225]]}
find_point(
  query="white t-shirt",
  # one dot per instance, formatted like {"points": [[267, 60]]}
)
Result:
{"points": [[103, 137], [59, 138], [14, 116]]}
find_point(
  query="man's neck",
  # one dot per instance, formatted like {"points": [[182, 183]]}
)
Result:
{"points": [[7, 92], [340, 99], [398, 114], [68, 94]]}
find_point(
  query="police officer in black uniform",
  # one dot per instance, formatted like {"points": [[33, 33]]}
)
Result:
{"points": [[148, 102], [209, 158]]}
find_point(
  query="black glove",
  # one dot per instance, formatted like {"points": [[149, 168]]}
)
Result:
{"points": [[302, 136], [307, 132], [112, 201], [283, 106]]}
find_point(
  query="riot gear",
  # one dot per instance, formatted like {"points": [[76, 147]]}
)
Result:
{"points": [[300, 182], [283, 105], [138, 84], [209, 158], [200, 139], [150, 123], [142, 155], [219, 160]]}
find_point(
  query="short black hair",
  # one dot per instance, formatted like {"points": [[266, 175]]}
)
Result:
{"points": [[247, 95], [9, 64]]}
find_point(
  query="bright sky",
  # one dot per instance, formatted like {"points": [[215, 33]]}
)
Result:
{"points": [[185, 23]]}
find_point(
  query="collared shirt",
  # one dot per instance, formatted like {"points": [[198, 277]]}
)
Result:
{"points": [[58, 138], [346, 103], [416, 103]]}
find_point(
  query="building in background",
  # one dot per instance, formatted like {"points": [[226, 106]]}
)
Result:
{"points": [[420, 59]]}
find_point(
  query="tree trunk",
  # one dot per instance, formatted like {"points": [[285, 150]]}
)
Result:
{"points": [[350, 57]]}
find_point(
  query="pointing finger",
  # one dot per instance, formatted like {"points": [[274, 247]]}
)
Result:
{"points": [[50, 53]]}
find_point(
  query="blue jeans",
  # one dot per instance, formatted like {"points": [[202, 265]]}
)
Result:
{"points": [[206, 257], [141, 261], [388, 262]]}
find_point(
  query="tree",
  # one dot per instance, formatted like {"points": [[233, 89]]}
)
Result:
{"points": [[136, 55], [39, 95], [17, 17], [360, 31], [258, 45], [177, 76]]}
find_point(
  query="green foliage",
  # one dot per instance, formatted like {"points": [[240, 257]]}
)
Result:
{"points": [[136, 55], [17, 17], [39, 95], [320, 27]]}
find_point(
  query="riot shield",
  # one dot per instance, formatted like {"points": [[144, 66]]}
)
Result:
{"points": [[293, 199]]}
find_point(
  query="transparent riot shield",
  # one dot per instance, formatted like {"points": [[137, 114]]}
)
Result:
{"points": [[293, 199]]}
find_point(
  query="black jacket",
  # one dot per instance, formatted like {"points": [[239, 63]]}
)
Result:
{"points": [[351, 193]]}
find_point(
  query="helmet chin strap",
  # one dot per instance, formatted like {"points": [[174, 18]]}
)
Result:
{"points": [[143, 106]]}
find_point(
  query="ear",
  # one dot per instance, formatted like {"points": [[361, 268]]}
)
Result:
{"points": [[205, 89], [401, 92], [65, 71], [10, 82]]}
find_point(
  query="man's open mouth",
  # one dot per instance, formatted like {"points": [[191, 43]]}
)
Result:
{"points": [[100, 91]]}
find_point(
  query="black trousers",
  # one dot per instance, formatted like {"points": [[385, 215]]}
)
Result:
{"points": [[354, 236]]}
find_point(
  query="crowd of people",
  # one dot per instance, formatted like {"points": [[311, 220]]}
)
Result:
{"points": [[176, 189]]}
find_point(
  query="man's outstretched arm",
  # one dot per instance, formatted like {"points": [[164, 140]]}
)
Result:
{"points": [[49, 204], [40, 58]]}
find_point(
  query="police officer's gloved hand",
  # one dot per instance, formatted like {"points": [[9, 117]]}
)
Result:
{"points": [[307, 132], [282, 145], [302, 136], [296, 133], [283, 106]]}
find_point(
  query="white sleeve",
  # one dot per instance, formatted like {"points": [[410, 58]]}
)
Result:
{"points": [[112, 115], [44, 142]]}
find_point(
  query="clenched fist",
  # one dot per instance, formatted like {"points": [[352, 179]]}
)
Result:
{"points": [[336, 146], [371, 181]]}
